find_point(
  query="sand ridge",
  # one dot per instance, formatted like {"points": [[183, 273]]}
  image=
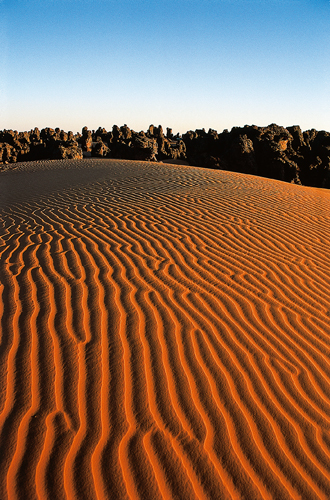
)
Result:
{"points": [[164, 334]]}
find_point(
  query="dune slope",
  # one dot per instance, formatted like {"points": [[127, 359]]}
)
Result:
{"points": [[164, 334]]}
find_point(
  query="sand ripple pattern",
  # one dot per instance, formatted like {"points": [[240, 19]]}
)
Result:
{"points": [[164, 334]]}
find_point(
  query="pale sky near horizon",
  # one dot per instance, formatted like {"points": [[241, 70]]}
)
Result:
{"points": [[184, 64]]}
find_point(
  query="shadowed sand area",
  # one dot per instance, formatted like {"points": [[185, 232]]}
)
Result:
{"points": [[164, 334]]}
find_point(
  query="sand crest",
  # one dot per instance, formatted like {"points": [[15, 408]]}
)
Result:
{"points": [[164, 334]]}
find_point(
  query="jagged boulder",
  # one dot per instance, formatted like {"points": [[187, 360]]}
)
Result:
{"points": [[273, 152], [69, 152], [201, 146], [47, 134], [8, 136], [86, 141], [143, 147], [168, 147], [298, 141], [8, 154], [175, 149], [126, 132], [117, 133], [100, 150], [242, 155], [316, 165], [102, 133], [169, 133]]}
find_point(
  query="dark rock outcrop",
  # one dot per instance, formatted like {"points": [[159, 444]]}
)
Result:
{"points": [[70, 152], [242, 156], [286, 154], [99, 149], [143, 147], [264, 151], [8, 154], [37, 145], [86, 141]]}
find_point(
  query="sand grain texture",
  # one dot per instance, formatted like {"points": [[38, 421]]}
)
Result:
{"points": [[164, 334]]}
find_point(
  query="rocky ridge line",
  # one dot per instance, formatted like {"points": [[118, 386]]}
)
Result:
{"points": [[276, 152]]}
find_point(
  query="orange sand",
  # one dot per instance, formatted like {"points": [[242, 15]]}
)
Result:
{"points": [[164, 334]]}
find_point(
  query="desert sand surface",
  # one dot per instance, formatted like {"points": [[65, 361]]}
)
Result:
{"points": [[164, 334]]}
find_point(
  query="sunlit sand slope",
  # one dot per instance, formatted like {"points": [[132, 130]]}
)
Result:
{"points": [[164, 334]]}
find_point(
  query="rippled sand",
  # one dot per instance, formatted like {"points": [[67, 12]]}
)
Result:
{"points": [[164, 334]]}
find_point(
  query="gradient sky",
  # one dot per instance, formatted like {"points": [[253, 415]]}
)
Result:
{"points": [[184, 64]]}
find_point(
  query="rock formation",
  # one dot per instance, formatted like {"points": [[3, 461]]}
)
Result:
{"points": [[277, 152]]}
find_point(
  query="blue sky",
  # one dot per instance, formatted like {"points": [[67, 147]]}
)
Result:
{"points": [[184, 64]]}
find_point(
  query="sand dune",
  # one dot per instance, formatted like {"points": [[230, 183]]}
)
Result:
{"points": [[164, 334]]}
